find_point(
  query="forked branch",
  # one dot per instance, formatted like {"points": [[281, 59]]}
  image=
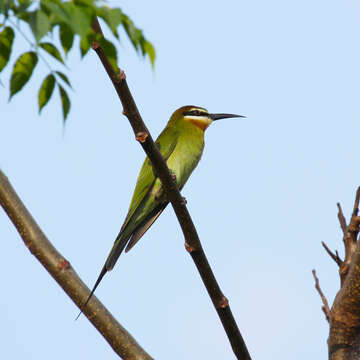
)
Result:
{"points": [[344, 316]]}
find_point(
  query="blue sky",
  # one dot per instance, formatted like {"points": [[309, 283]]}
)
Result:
{"points": [[263, 196]]}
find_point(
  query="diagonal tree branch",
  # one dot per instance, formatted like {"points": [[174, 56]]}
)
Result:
{"points": [[60, 269], [192, 241]]}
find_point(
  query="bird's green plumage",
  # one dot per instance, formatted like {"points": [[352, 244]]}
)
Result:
{"points": [[181, 143]]}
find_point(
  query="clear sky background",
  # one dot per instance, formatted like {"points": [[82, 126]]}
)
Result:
{"points": [[263, 196]]}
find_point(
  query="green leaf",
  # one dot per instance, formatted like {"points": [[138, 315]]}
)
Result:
{"points": [[6, 41], [22, 71], [63, 77], [87, 41], [65, 102], [52, 50], [46, 90], [81, 17], [66, 37], [138, 39], [110, 52], [148, 48], [23, 5], [89, 3], [58, 12], [39, 24], [5, 6], [85, 45], [112, 17], [134, 34], [19, 7]]}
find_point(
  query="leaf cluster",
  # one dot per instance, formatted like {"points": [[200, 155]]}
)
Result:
{"points": [[66, 20]]}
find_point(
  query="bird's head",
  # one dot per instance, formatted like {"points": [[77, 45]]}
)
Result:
{"points": [[198, 116]]}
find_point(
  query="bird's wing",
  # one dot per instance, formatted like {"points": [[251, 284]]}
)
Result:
{"points": [[166, 143], [140, 231]]}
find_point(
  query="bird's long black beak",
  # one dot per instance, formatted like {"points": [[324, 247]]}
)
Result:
{"points": [[224, 116]]}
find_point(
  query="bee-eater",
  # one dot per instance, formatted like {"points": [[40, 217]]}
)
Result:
{"points": [[181, 144]]}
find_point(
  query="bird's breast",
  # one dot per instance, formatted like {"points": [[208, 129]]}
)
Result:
{"points": [[186, 156]]}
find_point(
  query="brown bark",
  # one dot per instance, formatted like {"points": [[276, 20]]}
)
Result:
{"points": [[344, 315]]}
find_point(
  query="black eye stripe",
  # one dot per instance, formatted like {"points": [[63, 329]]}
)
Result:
{"points": [[195, 113]]}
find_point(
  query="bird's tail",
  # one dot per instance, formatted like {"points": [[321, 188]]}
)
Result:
{"points": [[115, 252], [102, 274], [118, 247]]}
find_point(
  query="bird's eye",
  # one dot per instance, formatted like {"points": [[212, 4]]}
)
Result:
{"points": [[196, 112]]}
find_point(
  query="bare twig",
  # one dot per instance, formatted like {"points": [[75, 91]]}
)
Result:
{"points": [[335, 257], [325, 308], [342, 219], [60, 269], [141, 132], [350, 233], [344, 317], [356, 203], [353, 228]]}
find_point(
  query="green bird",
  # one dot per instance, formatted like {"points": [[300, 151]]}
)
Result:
{"points": [[181, 144]]}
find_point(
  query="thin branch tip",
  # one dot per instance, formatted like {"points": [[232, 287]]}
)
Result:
{"points": [[356, 203], [335, 256], [358, 193], [325, 308], [342, 219], [339, 208]]}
